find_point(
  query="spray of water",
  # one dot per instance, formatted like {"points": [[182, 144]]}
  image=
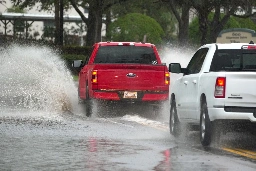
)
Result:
{"points": [[35, 78], [173, 54]]}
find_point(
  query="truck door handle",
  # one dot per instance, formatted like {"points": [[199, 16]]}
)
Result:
{"points": [[185, 82], [194, 81]]}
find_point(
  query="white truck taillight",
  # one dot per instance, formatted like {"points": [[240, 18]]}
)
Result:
{"points": [[94, 76], [220, 87]]}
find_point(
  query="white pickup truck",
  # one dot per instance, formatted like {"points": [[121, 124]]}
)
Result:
{"points": [[217, 91]]}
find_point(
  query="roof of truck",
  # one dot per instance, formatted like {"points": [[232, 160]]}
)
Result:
{"points": [[233, 45], [125, 44]]}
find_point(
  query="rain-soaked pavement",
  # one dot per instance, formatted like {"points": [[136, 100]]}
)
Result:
{"points": [[71, 142], [42, 127]]}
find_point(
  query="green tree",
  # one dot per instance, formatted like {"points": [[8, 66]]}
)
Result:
{"points": [[96, 8], [158, 10], [16, 10], [238, 8], [134, 27], [234, 22]]}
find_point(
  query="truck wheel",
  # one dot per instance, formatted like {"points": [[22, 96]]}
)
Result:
{"points": [[88, 102], [205, 126], [174, 123], [88, 107]]}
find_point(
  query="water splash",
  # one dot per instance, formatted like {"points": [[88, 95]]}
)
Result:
{"points": [[174, 54], [35, 78]]}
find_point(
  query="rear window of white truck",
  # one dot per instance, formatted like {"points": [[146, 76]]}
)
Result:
{"points": [[234, 60]]}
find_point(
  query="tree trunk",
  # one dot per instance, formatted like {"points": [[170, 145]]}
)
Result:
{"points": [[183, 20], [217, 24], [203, 27], [184, 25], [94, 23], [57, 21], [61, 23]]}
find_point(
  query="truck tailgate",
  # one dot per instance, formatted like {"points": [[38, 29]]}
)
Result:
{"points": [[241, 89], [131, 77]]}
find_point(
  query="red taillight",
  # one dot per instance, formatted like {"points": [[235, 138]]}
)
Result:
{"points": [[167, 78], [249, 47], [94, 76], [220, 87]]}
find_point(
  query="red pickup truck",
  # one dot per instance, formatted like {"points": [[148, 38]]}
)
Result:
{"points": [[123, 71]]}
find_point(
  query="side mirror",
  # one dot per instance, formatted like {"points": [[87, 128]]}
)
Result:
{"points": [[175, 68], [77, 63]]}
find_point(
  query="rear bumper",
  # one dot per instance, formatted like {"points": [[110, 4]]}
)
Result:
{"points": [[232, 113], [141, 96], [233, 119]]}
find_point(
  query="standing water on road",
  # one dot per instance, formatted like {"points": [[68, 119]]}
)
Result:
{"points": [[35, 78]]}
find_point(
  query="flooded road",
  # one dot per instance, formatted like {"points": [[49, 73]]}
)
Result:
{"points": [[70, 142], [42, 127]]}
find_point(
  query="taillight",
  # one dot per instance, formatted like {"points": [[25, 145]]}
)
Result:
{"points": [[220, 87], [249, 47], [94, 76], [167, 78]]}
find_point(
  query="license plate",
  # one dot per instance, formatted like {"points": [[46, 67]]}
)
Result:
{"points": [[130, 94]]}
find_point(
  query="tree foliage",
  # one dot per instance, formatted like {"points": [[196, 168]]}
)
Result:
{"points": [[94, 22], [45, 5], [157, 10], [16, 10], [212, 27], [160, 10], [134, 26], [233, 22]]}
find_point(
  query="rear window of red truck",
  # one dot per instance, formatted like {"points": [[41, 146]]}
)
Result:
{"points": [[125, 54]]}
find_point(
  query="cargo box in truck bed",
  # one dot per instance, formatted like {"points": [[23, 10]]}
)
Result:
{"points": [[123, 71]]}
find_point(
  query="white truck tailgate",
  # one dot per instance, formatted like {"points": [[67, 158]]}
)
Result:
{"points": [[240, 89]]}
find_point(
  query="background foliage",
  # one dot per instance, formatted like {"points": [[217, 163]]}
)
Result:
{"points": [[233, 22], [133, 27]]}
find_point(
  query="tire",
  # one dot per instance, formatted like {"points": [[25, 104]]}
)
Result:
{"points": [[174, 123], [88, 102], [205, 126], [88, 107]]}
